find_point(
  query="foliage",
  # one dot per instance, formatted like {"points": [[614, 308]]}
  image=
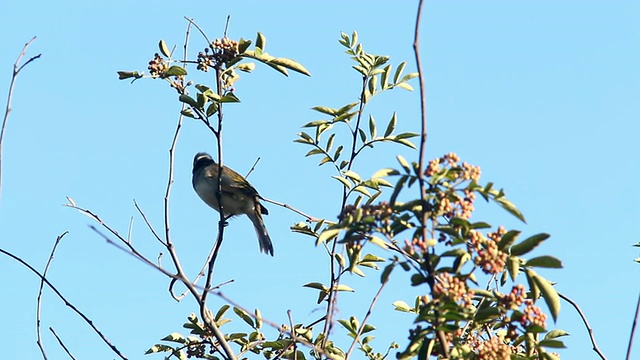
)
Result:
{"points": [[430, 235]]}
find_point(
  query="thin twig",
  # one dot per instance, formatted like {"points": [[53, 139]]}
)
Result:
{"points": [[287, 206], [66, 302], [61, 343], [192, 22], [633, 329], [586, 323], [226, 25], [253, 167], [295, 345], [146, 221], [39, 300], [7, 111], [356, 339]]}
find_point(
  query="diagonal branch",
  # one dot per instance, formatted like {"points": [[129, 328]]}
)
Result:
{"points": [[586, 323], [66, 302]]}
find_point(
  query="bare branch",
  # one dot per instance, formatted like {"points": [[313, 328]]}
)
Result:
{"points": [[7, 111], [586, 323], [67, 303], [61, 343], [633, 329], [144, 217], [39, 300], [287, 206], [356, 339]]}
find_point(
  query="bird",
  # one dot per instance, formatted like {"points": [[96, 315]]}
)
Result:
{"points": [[238, 196]]}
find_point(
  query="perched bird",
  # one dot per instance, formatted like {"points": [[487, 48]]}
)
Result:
{"points": [[238, 196]]}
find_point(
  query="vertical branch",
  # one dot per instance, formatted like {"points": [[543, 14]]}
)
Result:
{"points": [[39, 300], [633, 329], [16, 70], [173, 147], [423, 141]]}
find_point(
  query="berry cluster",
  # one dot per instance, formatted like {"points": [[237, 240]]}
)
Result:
{"points": [[491, 259], [447, 286], [493, 349], [220, 51], [157, 67]]}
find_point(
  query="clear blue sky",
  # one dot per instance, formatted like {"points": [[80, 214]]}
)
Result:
{"points": [[544, 97]]}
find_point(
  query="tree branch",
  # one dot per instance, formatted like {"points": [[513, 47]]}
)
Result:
{"points": [[39, 300], [586, 323], [7, 111], [66, 302]]}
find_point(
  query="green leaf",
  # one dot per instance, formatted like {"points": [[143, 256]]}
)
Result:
{"points": [[343, 287], [243, 45], [367, 328], [391, 126], [325, 110], [555, 344], [164, 49], [528, 244], [403, 306], [508, 239], [244, 316], [550, 295], [384, 79], [330, 143], [555, 334], [344, 181], [378, 241], [176, 71], [508, 205], [545, 262], [290, 64], [246, 67], [409, 76], [122, 75], [403, 162], [327, 235], [354, 38], [405, 86], [175, 337], [159, 348], [188, 100], [372, 127], [405, 142], [513, 266], [229, 98], [353, 175], [261, 41], [533, 286], [399, 71], [223, 309], [316, 285]]}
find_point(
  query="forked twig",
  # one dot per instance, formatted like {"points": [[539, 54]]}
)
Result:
{"points": [[16, 70], [39, 299], [67, 303]]}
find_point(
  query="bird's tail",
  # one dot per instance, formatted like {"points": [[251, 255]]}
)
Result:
{"points": [[261, 231]]}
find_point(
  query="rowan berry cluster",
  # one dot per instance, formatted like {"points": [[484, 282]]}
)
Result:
{"points": [[157, 66], [219, 51], [447, 286], [493, 349], [491, 259], [533, 315], [515, 298]]}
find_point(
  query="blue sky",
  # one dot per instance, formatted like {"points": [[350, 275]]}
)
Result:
{"points": [[543, 96]]}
